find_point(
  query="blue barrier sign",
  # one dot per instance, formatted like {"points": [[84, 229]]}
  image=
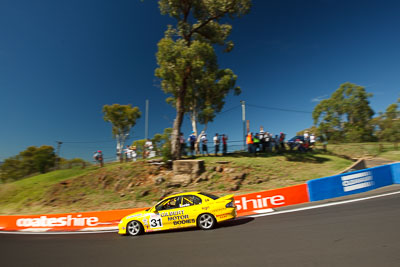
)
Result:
{"points": [[396, 172], [349, 183]]}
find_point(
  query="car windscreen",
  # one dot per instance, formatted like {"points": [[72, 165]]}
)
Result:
{"points": [[209, 195]]}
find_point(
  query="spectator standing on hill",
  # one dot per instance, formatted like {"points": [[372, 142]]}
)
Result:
{"points": [[268, 141], [192, 142], [203, 141], [276, 142], [216, 144], [306, 137], [149, 148], [183, 144], [128, 154], [282, 141], [134, 155], [98, 157], [312, 140], [262, 139], [249, 142], [272, 142], [224, 144], [256, 143]]}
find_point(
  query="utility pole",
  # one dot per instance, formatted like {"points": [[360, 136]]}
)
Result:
{"points": [[244, 123], [146, 127], [59, 143]]}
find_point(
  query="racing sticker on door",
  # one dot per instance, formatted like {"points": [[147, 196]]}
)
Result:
{"points": [[155, 221]]}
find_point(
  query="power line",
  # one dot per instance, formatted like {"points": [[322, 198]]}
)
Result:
{"points": [[93, 142], [87, 142], [229, 109], [280, 109]]}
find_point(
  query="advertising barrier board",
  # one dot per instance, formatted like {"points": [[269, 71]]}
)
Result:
{"points": [[247, 204], [395, 172], [264, 201], [350, 183], [83, 221]]}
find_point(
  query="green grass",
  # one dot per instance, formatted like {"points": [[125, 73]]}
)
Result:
{"points": [[360, 150], [391, 155], [120, 185], [279, 170], [19, 194]]}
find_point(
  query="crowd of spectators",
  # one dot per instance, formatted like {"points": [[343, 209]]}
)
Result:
{"points": [[199, 144], [265, 142], [260, 142], [302, 143]]}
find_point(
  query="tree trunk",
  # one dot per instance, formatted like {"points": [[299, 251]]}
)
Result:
{"points": [[175, 142], [180, 111], [193, 118]]}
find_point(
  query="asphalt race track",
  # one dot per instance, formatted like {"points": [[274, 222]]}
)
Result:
{"points": [[364, 233]]}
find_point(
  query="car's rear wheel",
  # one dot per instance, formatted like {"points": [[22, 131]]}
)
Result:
{"points": [[206, 221], [134, 228]]}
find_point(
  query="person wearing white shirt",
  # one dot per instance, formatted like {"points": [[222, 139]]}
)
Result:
{"points": [[216, 144], [203, 141]]}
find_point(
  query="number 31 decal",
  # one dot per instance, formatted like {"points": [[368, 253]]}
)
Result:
{"points": [[155, 222]]}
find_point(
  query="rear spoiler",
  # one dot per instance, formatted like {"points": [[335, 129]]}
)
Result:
{"points": [[227, 197]]}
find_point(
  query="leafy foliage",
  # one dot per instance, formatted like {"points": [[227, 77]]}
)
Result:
{"points": [[161, 144], [30, 161], [187, 61], [122, 118], [388, 124], [346, 115]]}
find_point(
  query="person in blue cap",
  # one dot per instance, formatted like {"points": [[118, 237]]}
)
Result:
{"points": [[192, 141]]}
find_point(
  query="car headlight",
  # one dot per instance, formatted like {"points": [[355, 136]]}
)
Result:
{"points": [[230, 205]]}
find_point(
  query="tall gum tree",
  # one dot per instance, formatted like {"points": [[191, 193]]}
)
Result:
{"points": [[122, 118], [346, 115], [187, 60]]}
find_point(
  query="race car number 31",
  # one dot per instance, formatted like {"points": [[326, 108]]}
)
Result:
{"points": [[155, 221]]}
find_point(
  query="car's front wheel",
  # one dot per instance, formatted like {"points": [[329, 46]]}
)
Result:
{"points": [[134, 228], [206, 221]]}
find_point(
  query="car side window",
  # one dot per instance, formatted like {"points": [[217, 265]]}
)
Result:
{"points": [[190, 200], [171, 203]]}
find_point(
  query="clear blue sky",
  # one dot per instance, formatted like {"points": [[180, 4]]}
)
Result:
{"points": [[61, 61]]}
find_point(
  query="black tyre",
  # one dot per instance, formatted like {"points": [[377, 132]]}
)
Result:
{"points": [[134, 228], [206, 221]]}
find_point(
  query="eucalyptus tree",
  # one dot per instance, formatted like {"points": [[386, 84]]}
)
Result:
{"points": [[388, 123], [187, 60], [346, 115], [123, 119]]}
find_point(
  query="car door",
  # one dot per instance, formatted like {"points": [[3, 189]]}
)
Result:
{"points": [[191, 208], [165, 213]]}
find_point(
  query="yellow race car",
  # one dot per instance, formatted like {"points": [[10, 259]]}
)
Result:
{"points": [[178, 211]]}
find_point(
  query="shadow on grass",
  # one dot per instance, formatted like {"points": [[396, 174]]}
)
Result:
{"points": [[305, 157], [296, 156]]}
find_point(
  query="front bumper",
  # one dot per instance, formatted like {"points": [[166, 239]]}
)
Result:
{"points": [[122, 229]]}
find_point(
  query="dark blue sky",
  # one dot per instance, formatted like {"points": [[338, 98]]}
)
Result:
{"points": [[61, 61]]}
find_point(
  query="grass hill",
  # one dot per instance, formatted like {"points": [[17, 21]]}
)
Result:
{"points": [[139, 184]]}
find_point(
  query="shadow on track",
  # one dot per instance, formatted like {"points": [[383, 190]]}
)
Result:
{"points": [[236, 222]]}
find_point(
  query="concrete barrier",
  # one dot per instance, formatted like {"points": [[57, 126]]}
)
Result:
{"points": [[395, 168], [350, 183]]}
